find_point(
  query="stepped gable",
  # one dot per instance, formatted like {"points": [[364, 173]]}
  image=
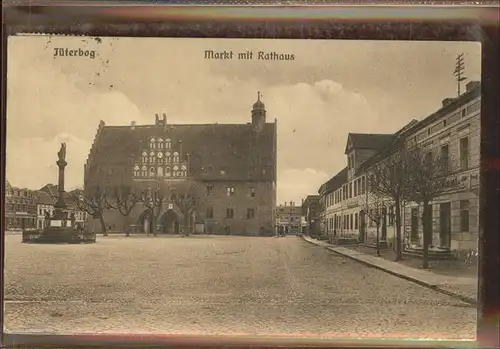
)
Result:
{"points": [[217, 151]]}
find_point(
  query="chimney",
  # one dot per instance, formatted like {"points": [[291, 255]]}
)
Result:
{"points": [[447, 101], [471, 85], [285, 203], [157, 119], [180, 151], [132, 125]]}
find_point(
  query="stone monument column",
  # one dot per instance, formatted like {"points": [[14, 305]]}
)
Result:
{"points": [[60, 205]]}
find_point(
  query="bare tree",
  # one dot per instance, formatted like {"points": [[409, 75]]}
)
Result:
{"points": [[153, 200], [428, 178], [188, 197], [93, 202], [375, 211], [123, 198], [387, 180]]}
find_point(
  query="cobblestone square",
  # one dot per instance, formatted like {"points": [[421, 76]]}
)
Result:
{"points": [[217, 285]]}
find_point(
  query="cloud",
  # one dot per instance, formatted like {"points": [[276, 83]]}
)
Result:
{"points": [[331, 89], [35, 159], [296, 184]]}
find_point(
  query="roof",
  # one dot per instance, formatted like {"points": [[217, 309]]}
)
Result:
{"points": [[217, 151], [310, 199], [414, 126], [473, 92], [371, 141], [49, 197], [334, 183]]}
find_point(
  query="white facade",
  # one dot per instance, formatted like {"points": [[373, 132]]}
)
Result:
{"points": [[453, 130]]}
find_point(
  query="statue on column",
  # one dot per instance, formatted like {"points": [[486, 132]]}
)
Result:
{"points": [[62, 152]]}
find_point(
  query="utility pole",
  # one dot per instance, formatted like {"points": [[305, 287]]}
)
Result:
{"points": [[459, 71]]}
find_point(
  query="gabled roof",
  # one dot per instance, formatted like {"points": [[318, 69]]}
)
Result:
{"points": [[44, 198], [217, 151], [371, 141]]}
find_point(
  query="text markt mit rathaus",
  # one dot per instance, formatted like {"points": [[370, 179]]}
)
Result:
{"points": [[268, 56]]}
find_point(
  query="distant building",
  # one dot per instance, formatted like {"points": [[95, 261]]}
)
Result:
{"points": [[46, 198], [289, 218], [20, 208], [311, 211], [234, 164], [454, 132]]}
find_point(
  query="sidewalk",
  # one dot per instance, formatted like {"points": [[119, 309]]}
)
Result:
{"points": [[462, 287]]}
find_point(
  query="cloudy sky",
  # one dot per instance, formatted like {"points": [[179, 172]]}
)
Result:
{"points": [[330, 89]]}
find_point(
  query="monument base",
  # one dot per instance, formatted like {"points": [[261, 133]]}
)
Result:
{"points": [[59, 235]]}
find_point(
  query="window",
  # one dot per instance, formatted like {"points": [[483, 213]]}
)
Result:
{"points": [[229, 213], [370, 215], [250, 213], [464, 153], [144, 157], [356, 188], [167, 157], [230, 191], [210, 212], [362, 185], [252, 192], [160, 171], [168, 173], [444, 158], [355, 221], [464, 215], [391, 215], [168, 143], [175, 157], [351, 221], [152, 143], [464, 112], [144, 171], [210, 190], [350, 190], [152, 171]]}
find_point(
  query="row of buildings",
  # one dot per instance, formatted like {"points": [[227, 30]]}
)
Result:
{"points": [[27, 209], [342, 206]]}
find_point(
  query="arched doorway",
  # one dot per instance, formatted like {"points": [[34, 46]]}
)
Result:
{"points": [[145, 222], [169, 222]]}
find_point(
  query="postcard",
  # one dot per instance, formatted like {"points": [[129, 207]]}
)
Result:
{"points": [[259, 187]]}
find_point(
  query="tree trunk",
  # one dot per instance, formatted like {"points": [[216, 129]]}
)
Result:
{"points": [[378, 242], [153, 224], [427, 228], [103, 225], [399, 251]]}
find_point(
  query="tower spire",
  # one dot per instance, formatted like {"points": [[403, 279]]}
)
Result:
{"points": [[258, 95]]}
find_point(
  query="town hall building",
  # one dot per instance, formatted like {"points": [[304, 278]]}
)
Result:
{"points": [[233, 165]]}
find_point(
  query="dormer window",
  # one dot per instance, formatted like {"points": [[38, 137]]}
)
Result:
{"points": [[168, 173], [144, 157], [168, 157], [176, 157], [184, 170], [152, 143], [152, 171], [144, 171], [168, 143]]}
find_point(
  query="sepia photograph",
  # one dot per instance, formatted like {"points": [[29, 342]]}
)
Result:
{"points": [[252, 187]]}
